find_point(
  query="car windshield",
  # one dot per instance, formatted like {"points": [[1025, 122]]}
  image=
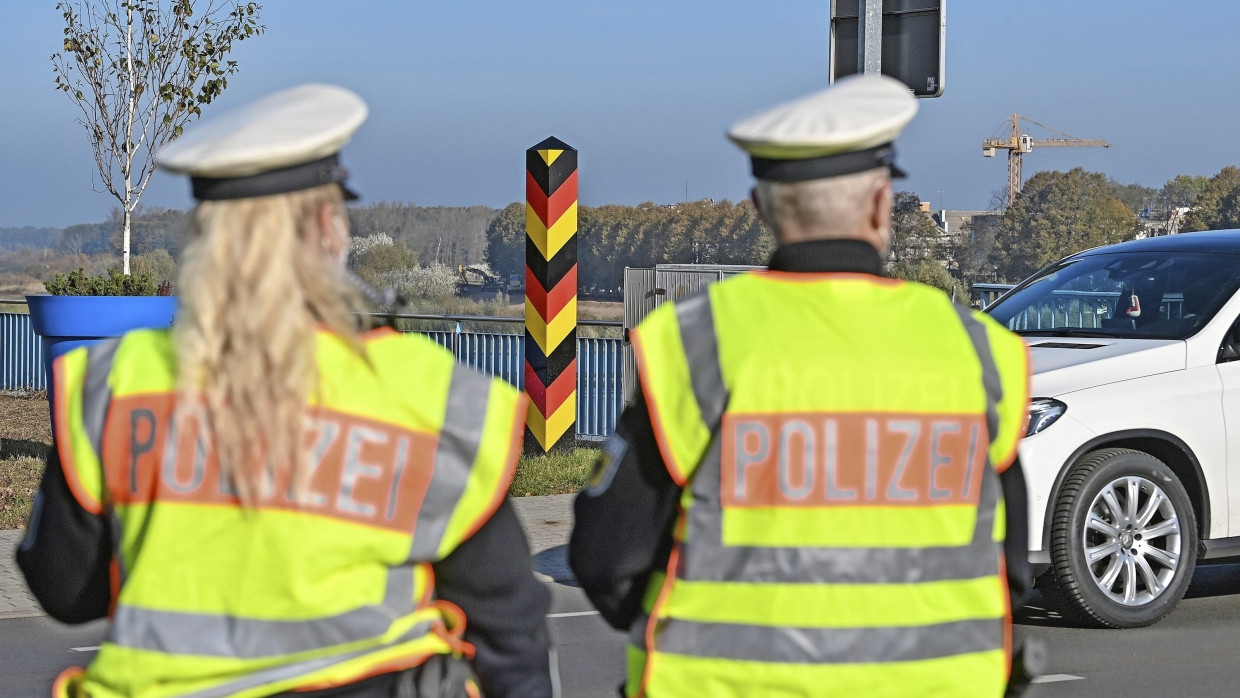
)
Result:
{"points": [[1148, 295]]}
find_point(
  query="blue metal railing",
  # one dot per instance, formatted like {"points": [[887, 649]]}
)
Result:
{"points": [[21, 354], [494, 354], [1081, 309], [600, 363], [985, 294]]}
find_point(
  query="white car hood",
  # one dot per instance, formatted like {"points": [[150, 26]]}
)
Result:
{"points": [[1067, 364]]}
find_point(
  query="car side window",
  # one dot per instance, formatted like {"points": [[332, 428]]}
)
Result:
{"points": [[1229, 350]]}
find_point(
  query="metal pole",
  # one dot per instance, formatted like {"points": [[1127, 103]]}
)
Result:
{"points": [[870, 36]]}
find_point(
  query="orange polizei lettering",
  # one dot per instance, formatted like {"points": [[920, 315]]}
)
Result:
{"points": [[359, 470], [850, 459]]}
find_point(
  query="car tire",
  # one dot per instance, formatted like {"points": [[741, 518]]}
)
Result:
{"points": [[1123, 540]]}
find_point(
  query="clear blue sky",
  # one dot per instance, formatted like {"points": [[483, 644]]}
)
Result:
{"points": [[645, 89]]}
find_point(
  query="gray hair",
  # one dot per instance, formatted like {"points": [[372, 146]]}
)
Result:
{"points": [[831, 207]]}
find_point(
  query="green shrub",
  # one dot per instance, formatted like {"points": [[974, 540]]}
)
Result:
{"points": [[436, 282], [375, 256], [925, 271], [77, 283], [158, 263]]}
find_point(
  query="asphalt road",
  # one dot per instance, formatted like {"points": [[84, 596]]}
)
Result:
{"points": [[34, 650], [1193, 652]]}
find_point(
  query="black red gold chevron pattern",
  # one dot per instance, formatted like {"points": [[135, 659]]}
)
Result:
{"points": [[550, 292]]}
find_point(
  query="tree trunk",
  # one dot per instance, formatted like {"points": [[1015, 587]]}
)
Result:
{"points": [[125, 242], [130, 115]]}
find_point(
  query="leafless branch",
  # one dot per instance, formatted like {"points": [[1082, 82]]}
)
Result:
{"points": [[138, 70]]}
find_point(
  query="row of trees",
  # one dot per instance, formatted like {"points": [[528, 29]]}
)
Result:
{"points": [[415, 236], [28, 238], [446, 234], [151, 229], [611, 237], [450, 235], [1057, 213]]}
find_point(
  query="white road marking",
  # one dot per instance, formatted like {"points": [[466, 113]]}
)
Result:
{"points": [[1052, 678], [84, 649], [574, 613]]}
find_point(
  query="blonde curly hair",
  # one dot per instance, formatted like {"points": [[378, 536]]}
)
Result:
{"points": [[256, 280]]}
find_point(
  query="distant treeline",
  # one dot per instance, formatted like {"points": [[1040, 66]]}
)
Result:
{"points": [[610, 238], [28, 238], [427, 235], [452, 235], [154, 228], [1056, 213]]}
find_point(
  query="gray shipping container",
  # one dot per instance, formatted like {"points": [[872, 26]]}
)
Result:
{"points": [[646, 289]]}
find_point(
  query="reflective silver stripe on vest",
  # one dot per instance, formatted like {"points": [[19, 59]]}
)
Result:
{"points": [[288, 671], [463, 423], [96, 397], [990, 373], [701, 344], [992, 383], [96, 393], [210, 635], [704, 557], [712, 561], [824, 645], [991, 492]]}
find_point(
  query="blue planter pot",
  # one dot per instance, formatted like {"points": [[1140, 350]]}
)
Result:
{"points": [[67, 322]]}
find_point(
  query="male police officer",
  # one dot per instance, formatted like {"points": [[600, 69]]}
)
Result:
{"points": [[807, 496]]}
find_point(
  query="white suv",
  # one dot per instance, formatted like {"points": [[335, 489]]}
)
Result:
{"points": [[1132, 454]]}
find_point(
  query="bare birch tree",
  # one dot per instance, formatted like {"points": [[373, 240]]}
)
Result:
{"points": [[138, 70]]}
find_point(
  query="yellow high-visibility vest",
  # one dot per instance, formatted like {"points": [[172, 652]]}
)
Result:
{"points": [[409, 456], [838, 438]]}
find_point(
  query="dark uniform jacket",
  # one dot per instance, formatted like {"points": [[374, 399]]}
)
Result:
{"points": [[624, 519]]}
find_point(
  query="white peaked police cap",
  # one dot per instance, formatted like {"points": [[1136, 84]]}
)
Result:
{"points": [[286, 141], [846, 128]]}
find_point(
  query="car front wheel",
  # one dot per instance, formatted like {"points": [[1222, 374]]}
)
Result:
{"points": [[1123, 540]]}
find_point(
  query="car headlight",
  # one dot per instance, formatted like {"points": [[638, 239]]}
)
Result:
{"points": [[1043, 411]]}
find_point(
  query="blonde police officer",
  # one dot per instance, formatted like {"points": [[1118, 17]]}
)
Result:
{"points": [[269, 499], [816, 490]]}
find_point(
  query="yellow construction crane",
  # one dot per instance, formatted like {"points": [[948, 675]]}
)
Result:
{"points": [[1018, 144]]}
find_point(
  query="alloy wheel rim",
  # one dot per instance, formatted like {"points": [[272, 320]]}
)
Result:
{"points": [[1132, 541]]}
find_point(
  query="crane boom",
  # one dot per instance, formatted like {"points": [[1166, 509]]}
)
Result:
{"points": [[1017, 144], [1071, 142]]}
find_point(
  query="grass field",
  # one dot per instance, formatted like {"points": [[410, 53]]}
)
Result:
{"points": [[554, 473], [26, 436]]}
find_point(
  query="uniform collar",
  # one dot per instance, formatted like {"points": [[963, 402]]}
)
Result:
{"points": [[827, 256]]}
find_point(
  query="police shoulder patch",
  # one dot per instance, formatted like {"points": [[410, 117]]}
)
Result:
{"points": [[605, 467]]}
